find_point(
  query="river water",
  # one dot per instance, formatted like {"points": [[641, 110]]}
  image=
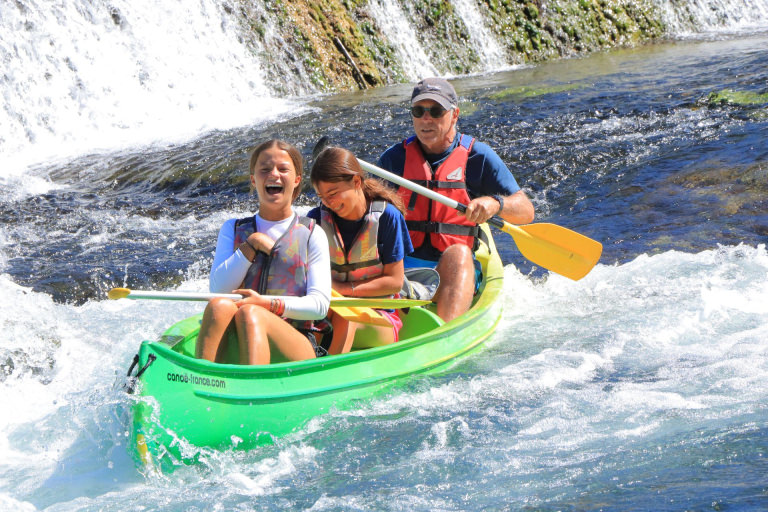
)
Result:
{"points": [[641, 387]]}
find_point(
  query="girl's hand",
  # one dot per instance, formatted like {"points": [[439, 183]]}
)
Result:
{"points": [[250, 297], [261, 242]]}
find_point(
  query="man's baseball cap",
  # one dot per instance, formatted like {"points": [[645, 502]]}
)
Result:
{"points": [[436, 89]]}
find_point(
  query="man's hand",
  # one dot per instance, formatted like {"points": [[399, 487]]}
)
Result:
{"points": [[481, 209]]}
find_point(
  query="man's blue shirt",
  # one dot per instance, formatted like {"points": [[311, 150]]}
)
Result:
{"points": [[486, 173]]}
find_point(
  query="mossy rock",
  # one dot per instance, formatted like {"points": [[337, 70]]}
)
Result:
{"points": [[295, 39], [525, 92], [741, 98]]}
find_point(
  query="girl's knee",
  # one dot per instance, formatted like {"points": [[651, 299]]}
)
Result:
{"points": [[250, 313], [220, 305]]}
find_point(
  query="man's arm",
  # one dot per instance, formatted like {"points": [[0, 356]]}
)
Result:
{"points": [[489, 176], [518, 209]]}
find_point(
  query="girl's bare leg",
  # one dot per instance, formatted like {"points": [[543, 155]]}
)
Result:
{"points": [[261, 332], [217, 316], [343, 334]]}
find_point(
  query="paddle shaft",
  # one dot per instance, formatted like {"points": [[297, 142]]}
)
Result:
{"points": [[202, 296], [431, 194], [384, 303]]}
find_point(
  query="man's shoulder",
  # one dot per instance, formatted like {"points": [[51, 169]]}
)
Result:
{"points": [[395, 149], [481, 148], [484, 156], [393, 158]]}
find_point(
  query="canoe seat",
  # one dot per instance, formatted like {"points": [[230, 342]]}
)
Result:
{"points": [[418, 321]]}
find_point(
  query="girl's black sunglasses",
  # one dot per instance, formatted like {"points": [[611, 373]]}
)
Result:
{"points": [[435, 112]]}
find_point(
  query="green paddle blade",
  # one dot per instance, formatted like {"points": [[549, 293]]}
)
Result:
{"points": [[556, 248]]}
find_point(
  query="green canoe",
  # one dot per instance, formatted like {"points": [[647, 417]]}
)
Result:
{"points": [[182, 403]]}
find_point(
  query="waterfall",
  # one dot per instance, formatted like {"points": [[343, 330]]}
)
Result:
{"points": [[492, 55], [394, 26], [695, 16], [80, 76]]}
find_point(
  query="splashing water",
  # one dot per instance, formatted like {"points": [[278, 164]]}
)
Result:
{"points": [[642, 386]]}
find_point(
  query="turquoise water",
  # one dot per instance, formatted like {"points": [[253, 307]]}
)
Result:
{"points": [[641, 387]]}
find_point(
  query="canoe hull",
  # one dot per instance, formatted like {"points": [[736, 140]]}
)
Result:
{"points": [[184, 403]]}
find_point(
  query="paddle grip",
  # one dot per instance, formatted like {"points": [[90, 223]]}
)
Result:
{"points": [[497, 222]]}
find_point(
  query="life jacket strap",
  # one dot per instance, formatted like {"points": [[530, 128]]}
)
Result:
{"points": [[440, 184], [425, 226], [349, 267]]}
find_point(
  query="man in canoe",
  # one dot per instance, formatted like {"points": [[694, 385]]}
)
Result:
{"points": [[457, 166]]}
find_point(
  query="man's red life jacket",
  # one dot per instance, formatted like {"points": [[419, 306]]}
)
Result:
{"points": [[445, 225]]}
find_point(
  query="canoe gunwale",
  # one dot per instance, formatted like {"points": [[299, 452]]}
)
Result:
{"points": [[372, 381]]}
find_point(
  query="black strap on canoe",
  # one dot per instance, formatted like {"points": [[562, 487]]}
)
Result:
{"points": [[133, 365], [130, 385]]}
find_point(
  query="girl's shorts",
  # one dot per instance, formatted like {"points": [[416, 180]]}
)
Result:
{"points": [[394, 319]]}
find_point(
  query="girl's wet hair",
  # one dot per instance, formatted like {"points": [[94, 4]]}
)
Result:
{"points": [[338, 164], [293, 153]]}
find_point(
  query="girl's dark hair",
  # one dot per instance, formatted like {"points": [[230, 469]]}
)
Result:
{"points": [[338, 164], [298, 162]]}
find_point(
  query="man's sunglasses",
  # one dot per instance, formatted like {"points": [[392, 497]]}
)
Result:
{"points": [[435, 112]]}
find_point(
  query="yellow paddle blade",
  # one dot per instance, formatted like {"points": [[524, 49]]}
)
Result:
{"points": [[556, 248], [362, 315], [118, 293]]}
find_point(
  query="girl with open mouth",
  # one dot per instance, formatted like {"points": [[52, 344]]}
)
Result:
{"points": [[276, 253]]}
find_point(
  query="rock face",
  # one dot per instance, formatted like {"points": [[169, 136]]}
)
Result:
{"points": [[333, 45]]}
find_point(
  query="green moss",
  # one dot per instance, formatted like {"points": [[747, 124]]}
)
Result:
{"points": [[528, 31], [731, 97], [520, 93], [531, 12]]}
